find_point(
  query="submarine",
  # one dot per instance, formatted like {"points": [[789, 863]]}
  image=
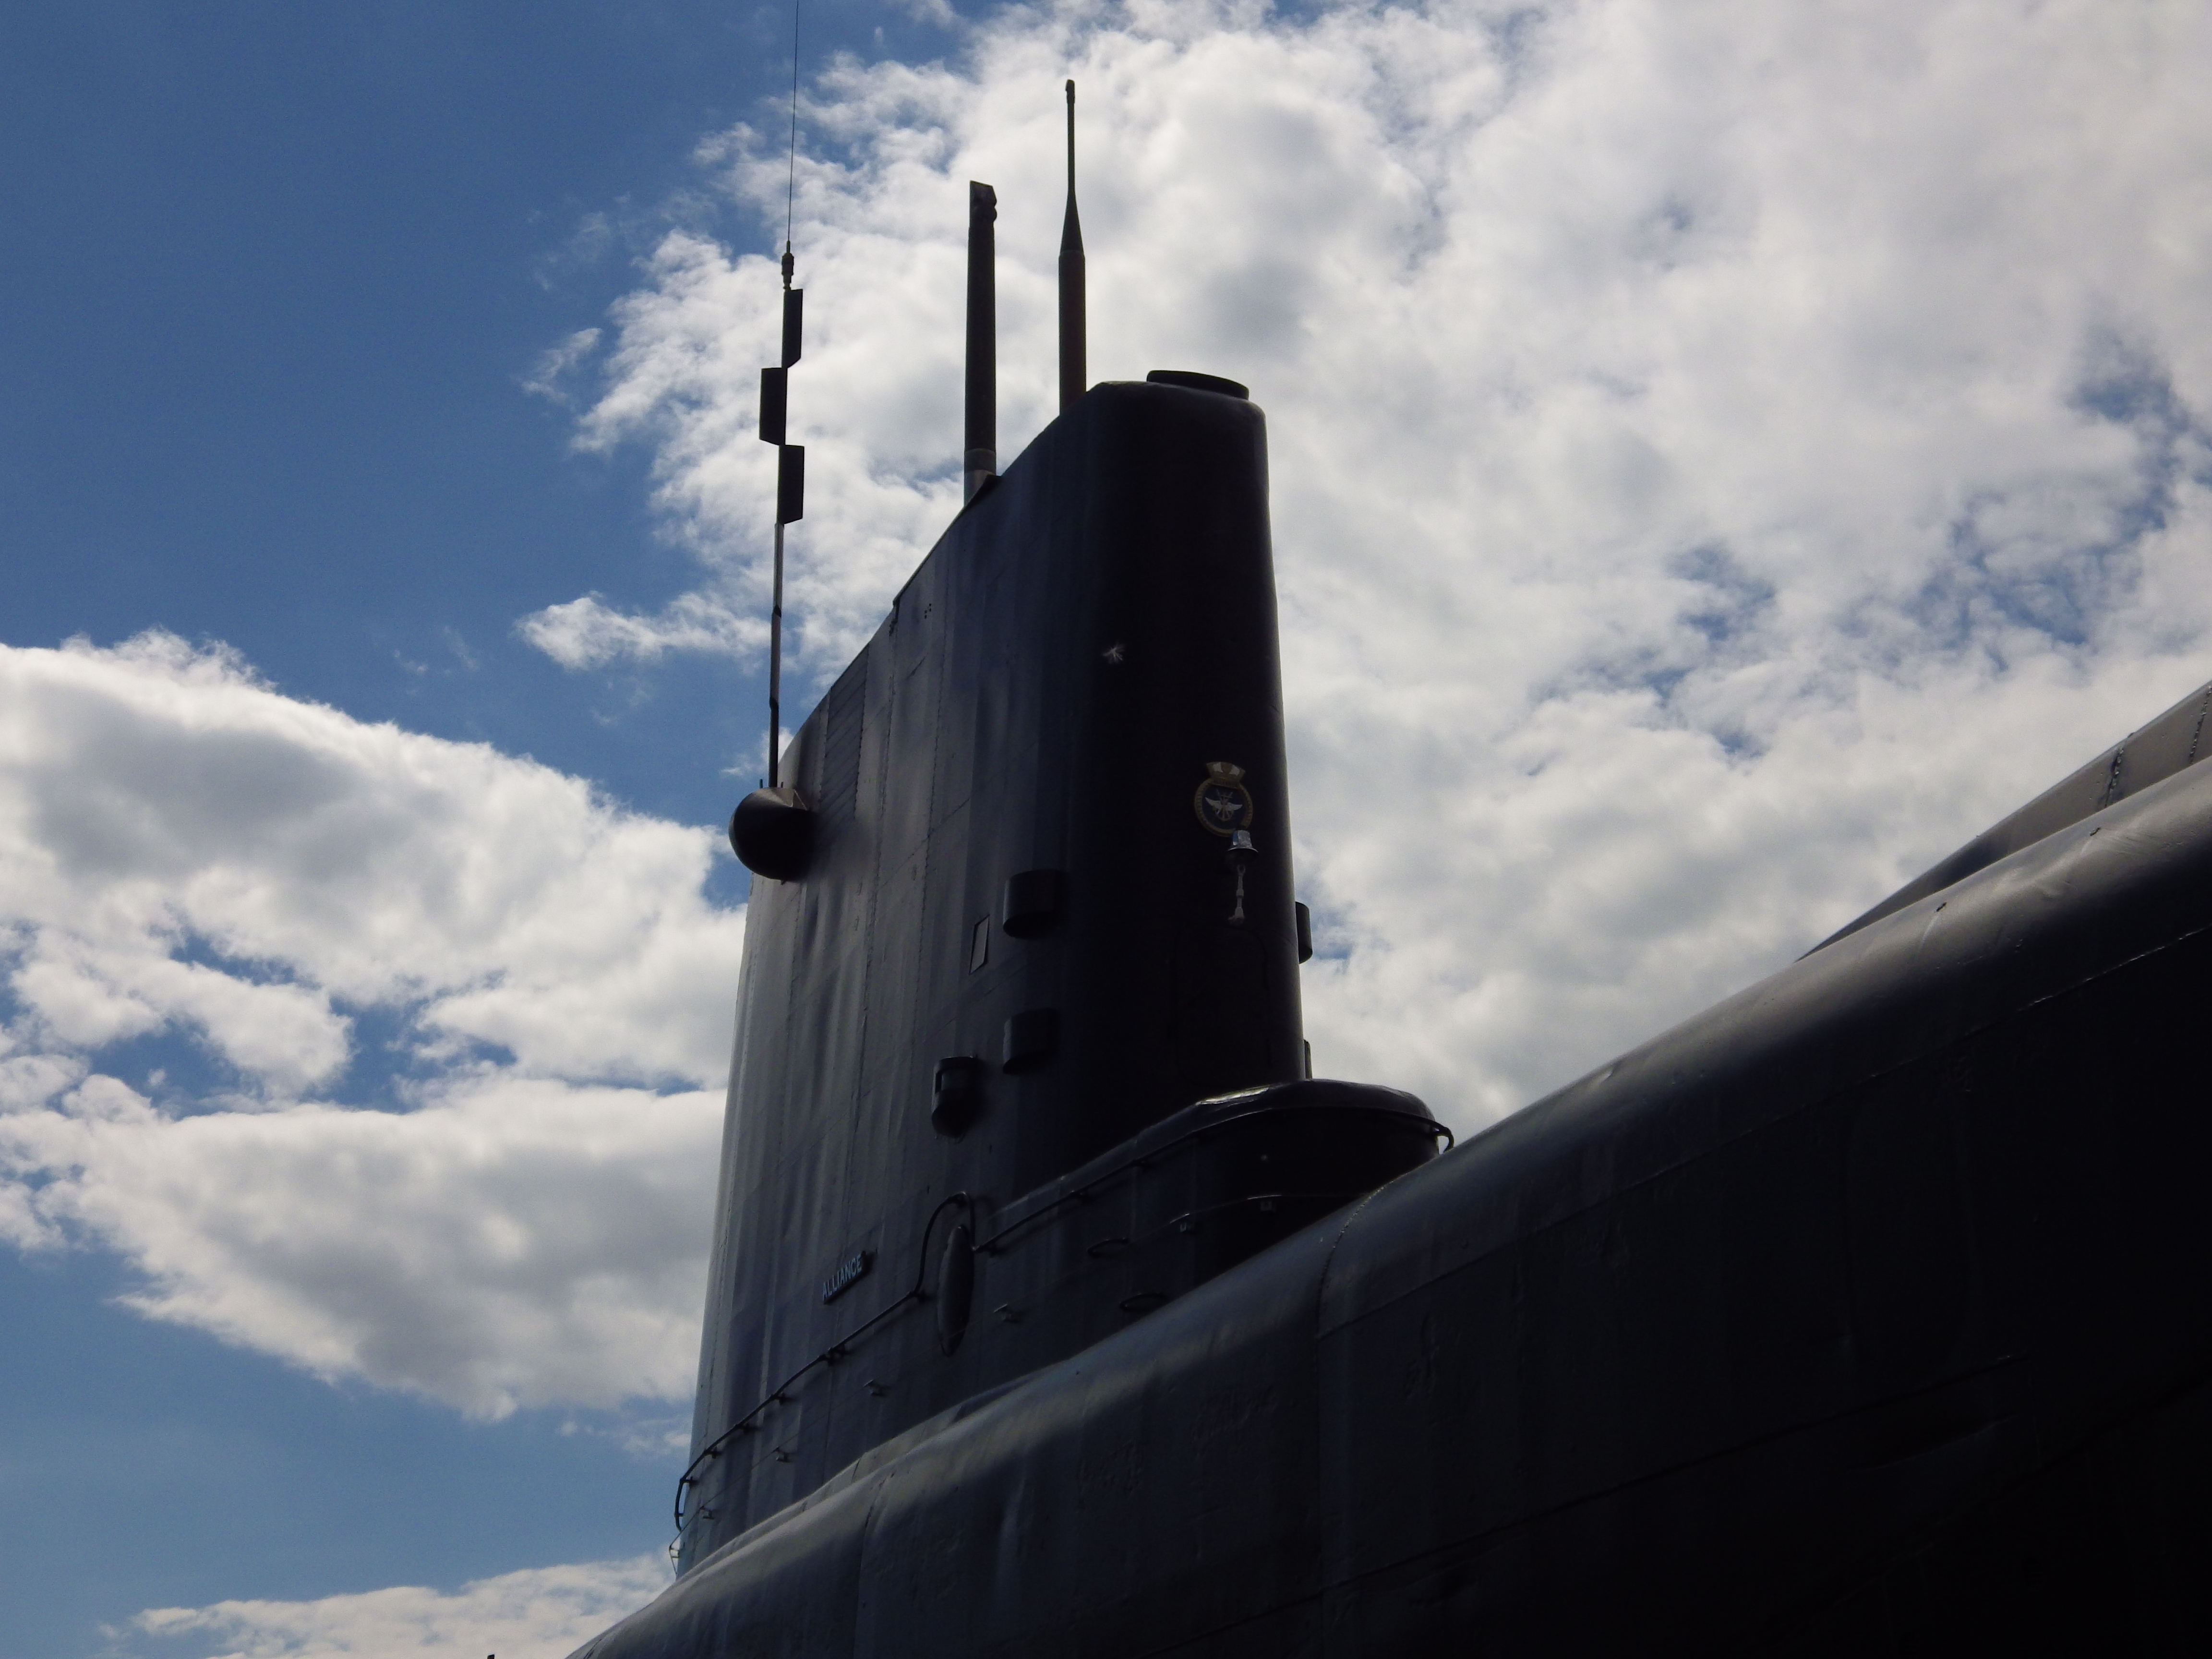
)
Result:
{"points": [[1056, 1308]]}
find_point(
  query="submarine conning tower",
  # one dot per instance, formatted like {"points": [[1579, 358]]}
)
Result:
{"points": [[1019, 1056]]}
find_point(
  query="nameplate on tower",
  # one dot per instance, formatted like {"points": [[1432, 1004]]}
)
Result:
{"points": [[847, 1273]]}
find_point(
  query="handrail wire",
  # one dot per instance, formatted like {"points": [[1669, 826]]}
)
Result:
{"points": [[1152, 1155], [989, 1246], [829, 1356]]}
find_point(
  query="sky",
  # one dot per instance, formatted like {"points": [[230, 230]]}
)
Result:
{"points": [[1725, 454]]}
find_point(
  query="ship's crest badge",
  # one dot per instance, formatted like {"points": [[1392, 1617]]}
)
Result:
{"points": [[1223, 804]]}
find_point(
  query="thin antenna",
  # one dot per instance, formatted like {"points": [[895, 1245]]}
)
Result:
{"points": [[791, 165], [1073, 378], [980, 457], [790, 458]]}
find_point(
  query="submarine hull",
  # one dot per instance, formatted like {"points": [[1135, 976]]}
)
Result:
{"points": [[1868, 1312]]}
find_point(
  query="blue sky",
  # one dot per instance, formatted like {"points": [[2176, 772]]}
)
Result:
{"points": [[276, 276], [1724, 455]]}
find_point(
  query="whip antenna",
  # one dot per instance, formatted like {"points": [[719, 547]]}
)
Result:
{"points": [[772, 831], [791, 162], [790, 458], [1073, 378]]}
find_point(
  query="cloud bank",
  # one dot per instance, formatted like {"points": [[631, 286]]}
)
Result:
{"points": [[542, 1614], [395, 1058], [1724, 454]]}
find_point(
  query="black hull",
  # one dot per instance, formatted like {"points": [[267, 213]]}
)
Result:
{"points": [[1868, 1312]]}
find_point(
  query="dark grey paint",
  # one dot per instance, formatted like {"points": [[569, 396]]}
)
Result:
{"points": [[1867, 1313], [1007, 869]]}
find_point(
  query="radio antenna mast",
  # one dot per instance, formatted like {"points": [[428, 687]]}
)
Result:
{"points": [[1073, 378], [979, 458], [790, 458]]}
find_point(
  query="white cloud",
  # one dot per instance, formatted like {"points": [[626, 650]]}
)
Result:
{"points": [[516, 1241], [506, 1202], [587, 632], [541, 1614], [550, 375], [157, 800], [1724, 454]]}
